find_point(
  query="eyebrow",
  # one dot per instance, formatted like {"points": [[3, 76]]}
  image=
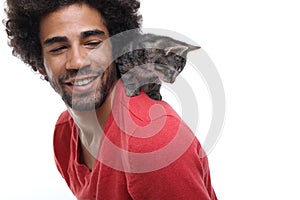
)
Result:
{"points": [[84, 34], [95, 32], [56, 39]]}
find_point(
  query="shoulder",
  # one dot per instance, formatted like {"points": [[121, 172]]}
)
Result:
{"points": [[63, 128], [148, 124], [140, 109], [64, 118], [144, 107], [163, 149], [62, 142], [157, 128]]}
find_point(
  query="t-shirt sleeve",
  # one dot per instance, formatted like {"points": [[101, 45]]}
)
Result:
{"points": [[170, 166]]}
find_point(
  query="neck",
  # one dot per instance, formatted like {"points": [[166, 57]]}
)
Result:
{"points": [[91, 124]]}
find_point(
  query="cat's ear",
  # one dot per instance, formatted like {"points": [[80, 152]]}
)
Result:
{"points": [[192, 47], [176, 49], [181, 50]]}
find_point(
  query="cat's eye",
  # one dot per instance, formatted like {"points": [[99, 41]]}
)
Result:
{"points": [[159, 67]]}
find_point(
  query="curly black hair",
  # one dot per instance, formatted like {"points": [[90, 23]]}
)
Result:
{"points": [[23, 18]]}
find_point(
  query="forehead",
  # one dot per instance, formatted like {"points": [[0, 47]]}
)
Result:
{"points": [[70, 21]]}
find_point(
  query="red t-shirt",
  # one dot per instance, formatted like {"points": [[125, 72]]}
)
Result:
{"points": [[146, 152]]}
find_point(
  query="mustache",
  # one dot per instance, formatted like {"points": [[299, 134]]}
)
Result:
{"points": [[86, 70]]}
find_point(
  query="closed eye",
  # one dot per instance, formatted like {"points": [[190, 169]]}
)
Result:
{"points": [[92, 44], [58, 49], [159, 67]]}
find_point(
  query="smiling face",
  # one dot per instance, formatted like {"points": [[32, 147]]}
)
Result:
{"points": [[76, 58]]}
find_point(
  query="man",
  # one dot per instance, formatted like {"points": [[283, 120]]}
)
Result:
{"points": [[107, 145]]}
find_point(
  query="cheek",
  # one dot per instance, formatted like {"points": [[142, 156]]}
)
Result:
{"points": [[101, 57], [110, 75], [106, 56], [53, 67]]}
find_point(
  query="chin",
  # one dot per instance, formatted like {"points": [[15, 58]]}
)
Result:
{"points": [[86, 103]]}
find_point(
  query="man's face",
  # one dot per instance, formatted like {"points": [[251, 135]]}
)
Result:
{"points": [[77, 61]]}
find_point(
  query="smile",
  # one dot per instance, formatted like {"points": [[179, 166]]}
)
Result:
{"points": [[83, 81], [83, 84]]}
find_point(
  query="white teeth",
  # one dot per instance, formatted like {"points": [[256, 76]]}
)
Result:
{"points": [[83, 82]]}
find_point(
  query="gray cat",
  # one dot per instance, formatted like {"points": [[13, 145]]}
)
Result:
{"points": [[149, 59]]}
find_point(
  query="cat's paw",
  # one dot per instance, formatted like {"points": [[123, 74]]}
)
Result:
{"points": [[131, 93], [155, 96]]}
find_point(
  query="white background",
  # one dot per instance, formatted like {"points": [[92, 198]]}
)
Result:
{"points": [[255, 47]]}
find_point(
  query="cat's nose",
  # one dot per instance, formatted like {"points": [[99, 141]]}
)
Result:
{"points": [[173, 77]]}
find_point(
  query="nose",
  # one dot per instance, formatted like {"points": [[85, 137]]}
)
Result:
{"points": [[76, 58]]}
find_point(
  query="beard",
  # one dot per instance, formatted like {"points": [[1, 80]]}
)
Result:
{"points": [[89, 100]]}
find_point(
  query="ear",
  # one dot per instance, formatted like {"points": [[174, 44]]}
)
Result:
{"points": [[42, 71], [182, 49], [176, 49], [193, 48]]}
